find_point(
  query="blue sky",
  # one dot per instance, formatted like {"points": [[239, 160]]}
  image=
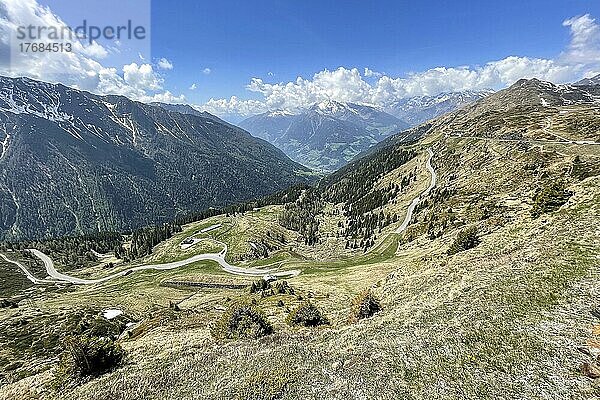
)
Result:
{"points": [[247, 57], [238, 40]]}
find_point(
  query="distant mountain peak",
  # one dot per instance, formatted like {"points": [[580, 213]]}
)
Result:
{"points": [[327, 134], [331, 107], [537, 93], [592, 81], [279, 113], [416, 110]]}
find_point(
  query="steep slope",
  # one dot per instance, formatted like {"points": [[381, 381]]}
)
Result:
{"points": [[594, 80], [527, 109], [270, 126], [75, 162], [326, 135], [181, 108], [187, 109], [416, 110]]}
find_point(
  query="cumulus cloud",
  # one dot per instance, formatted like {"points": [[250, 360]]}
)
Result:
{"points": [[370, 73], [95, 50], [79, 68], [580, 58], [141, 77], [193, 86], [163, 63], [206, 71], [585, 40], [233, 106]]}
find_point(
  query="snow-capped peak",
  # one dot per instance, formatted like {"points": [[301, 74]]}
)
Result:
{"points": [[279, 113], [332, 107]]}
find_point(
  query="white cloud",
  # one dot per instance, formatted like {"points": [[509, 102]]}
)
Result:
{"points": [[79, 68], [164, 97], [349, 85], [233, 106], [141, 77], [193, 87], [585, 40], [370, 73], [581, 58], [139, 80], [163, 63], [95, 50]]}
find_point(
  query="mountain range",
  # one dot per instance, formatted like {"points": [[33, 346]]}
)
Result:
{"points": [[594, 80], [327, 135], [416, 110], [73, 162]]}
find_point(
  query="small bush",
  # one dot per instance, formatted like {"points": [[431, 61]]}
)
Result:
{"points": [[89, 356], [307, 314], [550, 198], [466, 239], [242, 320], [259, 286], [283, 287], [365, 305], [101, 327]]}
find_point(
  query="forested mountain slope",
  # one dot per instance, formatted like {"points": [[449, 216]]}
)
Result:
{"points": [[74, 162]]}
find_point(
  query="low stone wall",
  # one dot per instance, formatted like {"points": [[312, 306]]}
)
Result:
{"points": [[209, 285]]}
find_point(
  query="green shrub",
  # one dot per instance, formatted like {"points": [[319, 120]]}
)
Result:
{"points": [[466, 239], [242, 320], [89, 356], [550, 198], [283, 287], [307, 314], [259, 286], [364, 305]]}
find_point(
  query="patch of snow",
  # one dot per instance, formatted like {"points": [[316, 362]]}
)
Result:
{"points": [[110, 314], [5, 145], [331, 107], [544, 102], [280, 113], [49, 111]]}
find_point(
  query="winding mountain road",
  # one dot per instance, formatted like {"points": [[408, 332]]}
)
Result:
{"points": [[546, 129], [216, 257], [417, 200], [28, 274]]}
